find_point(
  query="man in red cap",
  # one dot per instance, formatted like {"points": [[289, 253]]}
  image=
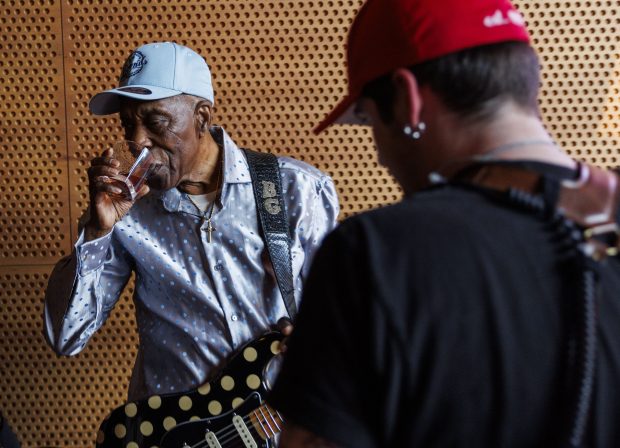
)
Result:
{"points": [[482, 310]]}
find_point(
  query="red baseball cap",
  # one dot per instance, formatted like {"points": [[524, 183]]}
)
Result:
{"points": [[389, 34]]}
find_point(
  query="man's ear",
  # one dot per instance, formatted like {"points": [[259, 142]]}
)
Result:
{"points": [[408, 100], [204, 116]]}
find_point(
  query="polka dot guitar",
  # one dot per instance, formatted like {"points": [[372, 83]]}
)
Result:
{"points": [[228, 411]]}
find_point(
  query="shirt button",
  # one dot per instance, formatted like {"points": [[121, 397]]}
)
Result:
{"points": [[233, 317], [219, 267]]}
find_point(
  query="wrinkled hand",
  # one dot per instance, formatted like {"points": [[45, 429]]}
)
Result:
{"points": [[286, 328], [107, 207]]}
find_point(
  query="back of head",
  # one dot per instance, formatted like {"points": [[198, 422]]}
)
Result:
{"points": [[472, 83], [452, 45]]}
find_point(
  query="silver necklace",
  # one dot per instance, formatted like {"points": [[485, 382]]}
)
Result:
{"points": [[493, 152], [437, 177], [209, 212]]}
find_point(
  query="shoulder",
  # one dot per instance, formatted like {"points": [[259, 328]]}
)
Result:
{"points": [[440, 221], [291, 167], [302, 182], [424, 210]]}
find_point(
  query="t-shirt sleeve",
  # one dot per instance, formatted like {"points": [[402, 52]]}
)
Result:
{"points": [[325, 367]]}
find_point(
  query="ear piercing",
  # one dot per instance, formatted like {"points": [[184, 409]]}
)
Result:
{"points": [[415, 132]]}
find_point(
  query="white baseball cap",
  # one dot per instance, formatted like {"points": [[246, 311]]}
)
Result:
{"points": [[155, 71]]}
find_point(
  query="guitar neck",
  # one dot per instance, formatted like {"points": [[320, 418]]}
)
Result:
{"points": [[266, 421]]}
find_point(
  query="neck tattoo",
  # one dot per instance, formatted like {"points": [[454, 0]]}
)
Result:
{"points": [[442, 174], [493, 152]]}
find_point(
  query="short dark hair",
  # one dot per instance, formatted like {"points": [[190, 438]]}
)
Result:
{"points": [[472, 82]]}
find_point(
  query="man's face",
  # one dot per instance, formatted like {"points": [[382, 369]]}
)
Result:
{"points": [[387, 137], [169, 128]]}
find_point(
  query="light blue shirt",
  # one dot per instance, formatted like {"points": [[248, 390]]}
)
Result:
{"points": [[196, 302]]}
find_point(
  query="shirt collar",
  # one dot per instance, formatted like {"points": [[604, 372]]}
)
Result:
{"points": [[236, 170]]}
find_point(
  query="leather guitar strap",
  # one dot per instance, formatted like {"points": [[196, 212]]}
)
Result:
{"points": [[591, 203], [273, 219]]}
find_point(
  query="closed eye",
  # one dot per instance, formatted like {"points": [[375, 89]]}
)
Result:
{"points": [[157, 123]]}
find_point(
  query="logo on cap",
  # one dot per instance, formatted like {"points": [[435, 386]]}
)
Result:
{"points": [[499, 19], [133, 65]]}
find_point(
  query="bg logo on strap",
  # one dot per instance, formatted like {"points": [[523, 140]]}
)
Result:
{"points": [[271, 203]]}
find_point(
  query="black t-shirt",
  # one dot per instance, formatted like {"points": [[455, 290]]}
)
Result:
{"points": [[441, 321]]}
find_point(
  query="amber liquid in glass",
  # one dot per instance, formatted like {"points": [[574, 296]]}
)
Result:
{"points": [[130, 184], [126, 185]]}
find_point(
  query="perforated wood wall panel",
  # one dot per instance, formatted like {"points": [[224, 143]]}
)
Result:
{"points": [[578, 45], [33, 152], [278, 68]]}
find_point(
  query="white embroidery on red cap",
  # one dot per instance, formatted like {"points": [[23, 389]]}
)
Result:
{"points": [[516, 18], [498, 18]]}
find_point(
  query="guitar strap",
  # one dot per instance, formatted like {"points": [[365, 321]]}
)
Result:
{"points": [[587, 209], [273, 219], [591, 201]]}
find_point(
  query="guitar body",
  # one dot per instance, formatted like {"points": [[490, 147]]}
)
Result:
{"points": [[219, 431], [237, 390]]}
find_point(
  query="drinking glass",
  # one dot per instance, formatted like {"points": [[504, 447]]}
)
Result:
{"points": [[136, 166]]}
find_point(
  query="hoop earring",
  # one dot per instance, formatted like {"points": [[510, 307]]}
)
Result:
{"points": [[415, 132]]}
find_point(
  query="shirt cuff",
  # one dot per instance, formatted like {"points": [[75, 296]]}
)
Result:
{"points": [[91, 254]]}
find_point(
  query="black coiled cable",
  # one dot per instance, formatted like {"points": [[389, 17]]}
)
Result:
{"points": [[581, 356]]}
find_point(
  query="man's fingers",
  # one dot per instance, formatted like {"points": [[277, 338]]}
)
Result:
{"points": [[101, 170], [102, 184], [104, 161], [106, 158], [285, 326]]}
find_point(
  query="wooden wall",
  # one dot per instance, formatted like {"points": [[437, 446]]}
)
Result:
{"points": [[278, 68]]}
